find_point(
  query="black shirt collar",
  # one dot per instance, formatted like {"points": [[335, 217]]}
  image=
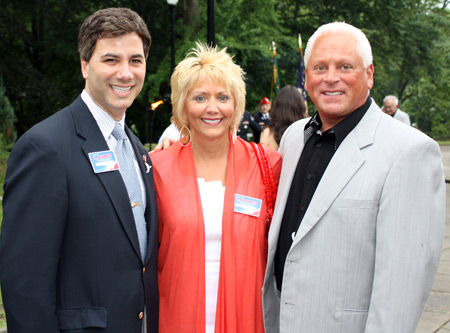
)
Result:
{"points": [[341, 129]]}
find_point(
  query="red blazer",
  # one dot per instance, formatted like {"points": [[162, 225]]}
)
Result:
{"points": [[181, 259]]}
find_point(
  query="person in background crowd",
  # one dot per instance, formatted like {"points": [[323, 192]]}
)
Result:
{"points": [[247, 122], [288, 107], [263, 116], [358, 224], [212, 204], [79, 241], [391, 108]]}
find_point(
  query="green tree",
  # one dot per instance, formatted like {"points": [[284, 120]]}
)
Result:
{"points": [[40, 62], [428, 97], [7, 119]]}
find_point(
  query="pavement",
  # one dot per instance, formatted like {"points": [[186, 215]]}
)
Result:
{"points": [[436, 315]]}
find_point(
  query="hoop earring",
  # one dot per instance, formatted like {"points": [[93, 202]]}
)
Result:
{"points": [[234, 134], [185, 139]]}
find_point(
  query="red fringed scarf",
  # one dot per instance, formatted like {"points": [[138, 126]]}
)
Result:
{"points": [[181, 260]]}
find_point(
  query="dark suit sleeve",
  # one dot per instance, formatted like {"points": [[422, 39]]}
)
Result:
{"points": [[255, 126], [34, 213], [257, 134]]}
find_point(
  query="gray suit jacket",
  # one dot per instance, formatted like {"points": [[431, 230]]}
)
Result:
{"points": [[367, 250], [402, 116]]}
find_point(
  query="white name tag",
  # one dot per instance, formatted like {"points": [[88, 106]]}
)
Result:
{"points": [[247, 205], [104, 161]]}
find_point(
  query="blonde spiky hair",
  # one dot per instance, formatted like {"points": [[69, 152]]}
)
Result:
{"points": [[207, 62]]}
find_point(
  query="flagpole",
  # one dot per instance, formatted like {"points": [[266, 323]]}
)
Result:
{"points": [[274, 52], [300, 44], [301, 69]]}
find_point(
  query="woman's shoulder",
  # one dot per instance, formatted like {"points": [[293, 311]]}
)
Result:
{"points": [[266, 132], [268, 138]]}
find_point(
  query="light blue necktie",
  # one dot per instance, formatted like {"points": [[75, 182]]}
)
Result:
{"points": [[124, 153]]}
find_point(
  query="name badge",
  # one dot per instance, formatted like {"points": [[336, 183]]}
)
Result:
{"points": [[103, 161], [247, 205]]}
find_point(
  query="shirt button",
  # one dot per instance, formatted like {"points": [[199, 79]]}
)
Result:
{"points": [[309, 176], [318, 144], [143, 270], [141, 315], [302, 208]]}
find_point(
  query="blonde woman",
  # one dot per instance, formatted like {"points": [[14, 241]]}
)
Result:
{"points": [[212, 204]]}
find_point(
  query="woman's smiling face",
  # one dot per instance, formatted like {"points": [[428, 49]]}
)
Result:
{"points": [[209, 110]]}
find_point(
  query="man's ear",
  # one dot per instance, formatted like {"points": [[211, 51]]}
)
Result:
{"points": [[84, 68], [369, 72]]}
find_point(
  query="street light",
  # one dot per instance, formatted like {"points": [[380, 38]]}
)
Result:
{"points": [[211, 23], [172, 5]]}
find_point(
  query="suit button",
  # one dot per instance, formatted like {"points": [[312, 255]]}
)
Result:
{"points": [[143, 270], [141, 315]]}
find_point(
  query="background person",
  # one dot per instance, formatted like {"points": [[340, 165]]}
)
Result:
{"points": [[263, 116], [288, 107], [358, 225], [391, 108], [213, 232], [248, 122], [71, 256], [170, 132]]}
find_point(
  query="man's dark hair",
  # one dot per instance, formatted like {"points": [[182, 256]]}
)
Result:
{"points": [[108, 23]]}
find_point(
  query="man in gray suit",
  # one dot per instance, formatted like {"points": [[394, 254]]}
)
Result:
{"points": [[391, 108], [358, 225]]}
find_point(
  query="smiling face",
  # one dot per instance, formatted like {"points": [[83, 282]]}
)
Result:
{"points": [[390, 106], [115, 73], [209, 110], [336, 79]]}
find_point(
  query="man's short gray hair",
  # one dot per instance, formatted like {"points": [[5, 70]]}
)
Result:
{"points": [[364, 48], [393, 97]]}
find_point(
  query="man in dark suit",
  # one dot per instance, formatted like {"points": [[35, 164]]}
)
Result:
{"points": [[263, 116], [247, 122], [71, 255]]}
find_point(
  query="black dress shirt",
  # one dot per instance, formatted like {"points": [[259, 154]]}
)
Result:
{"points": [[317, 153]]}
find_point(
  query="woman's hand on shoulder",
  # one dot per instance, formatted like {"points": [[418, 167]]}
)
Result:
{"points": [[166, 143]]}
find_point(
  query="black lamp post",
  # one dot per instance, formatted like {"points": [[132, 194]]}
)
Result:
{"points": [[211, 23], [172, 6]]}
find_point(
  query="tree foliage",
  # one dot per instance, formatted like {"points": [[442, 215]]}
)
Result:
{"points": [[41, 68], [7, 119]]}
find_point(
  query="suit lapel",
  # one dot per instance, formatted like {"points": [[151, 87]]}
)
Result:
{"points": [[291, 148], [112, 181], [344, 164]]}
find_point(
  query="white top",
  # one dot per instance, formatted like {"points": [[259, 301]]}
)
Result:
{"points": [[170, 132], [212, 195]]}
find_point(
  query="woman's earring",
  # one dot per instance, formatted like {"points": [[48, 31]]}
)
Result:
{"points": [[234, 133], [185, 139]]}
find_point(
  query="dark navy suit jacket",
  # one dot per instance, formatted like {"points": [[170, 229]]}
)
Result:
{"points": [[69, 252]]}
